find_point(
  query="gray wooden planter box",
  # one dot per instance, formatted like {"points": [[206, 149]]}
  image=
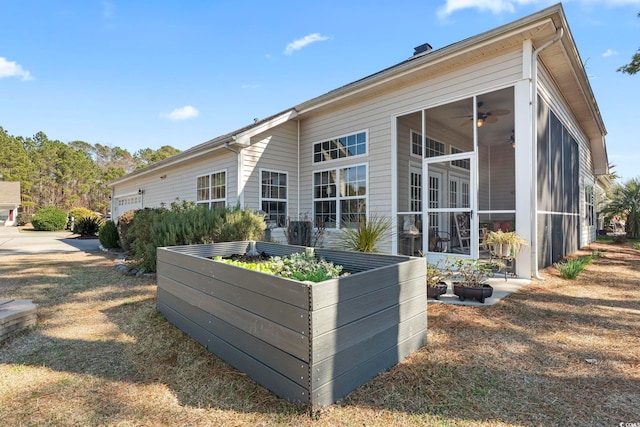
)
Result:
{"points": [[310, 343]]}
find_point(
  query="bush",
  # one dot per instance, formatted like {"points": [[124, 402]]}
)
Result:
{"points": [[188, 225], [142, 238], [23, 219], [571, 268], [87, 226], [240, 224], [124, 223], [366, 235], [49, 219], [78, 213], [108, 235]]}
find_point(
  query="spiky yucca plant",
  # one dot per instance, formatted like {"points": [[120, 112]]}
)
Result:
{"points": [[366, 235]]}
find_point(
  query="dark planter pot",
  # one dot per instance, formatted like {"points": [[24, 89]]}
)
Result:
{"points": [[478, 294], [437, 290]]}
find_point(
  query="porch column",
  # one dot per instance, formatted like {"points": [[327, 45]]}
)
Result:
{"points": [[524, 175]]}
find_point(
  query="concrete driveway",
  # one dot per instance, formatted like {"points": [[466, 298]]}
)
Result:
{"points": [[14, 241]]}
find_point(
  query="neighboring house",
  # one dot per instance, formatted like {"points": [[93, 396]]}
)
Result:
{"points": [[9, 202], [502, 128]]}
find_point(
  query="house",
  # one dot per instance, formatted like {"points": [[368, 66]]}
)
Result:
{"points": [[501, 129], [9, 203]]}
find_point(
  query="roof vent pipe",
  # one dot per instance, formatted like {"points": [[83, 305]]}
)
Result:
{"points": [[422, 49]]}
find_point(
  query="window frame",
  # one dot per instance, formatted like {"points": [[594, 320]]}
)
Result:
{"points": [[211, 201], [589, 204], [275, 199], [337, 199], [412, 135], [464, 164], [329, 140]]}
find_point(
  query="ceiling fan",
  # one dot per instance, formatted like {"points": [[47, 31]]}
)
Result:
{"points": [[483, 116], [511, 140]]}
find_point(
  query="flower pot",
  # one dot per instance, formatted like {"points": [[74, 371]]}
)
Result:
{"points": [[437, 290], [480, 293]]}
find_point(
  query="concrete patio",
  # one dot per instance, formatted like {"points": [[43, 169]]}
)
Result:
{"points": [[501, 289]]}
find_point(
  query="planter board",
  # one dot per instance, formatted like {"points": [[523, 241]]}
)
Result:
{"points": [[307, 342]]}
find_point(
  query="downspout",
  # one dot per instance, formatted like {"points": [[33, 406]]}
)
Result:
{"points": [[534, 145], [238, 172], [298, 175]]}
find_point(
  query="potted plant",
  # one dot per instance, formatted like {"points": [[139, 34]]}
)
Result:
{"points": [[436, 274], [505, 244], [471, 276]]}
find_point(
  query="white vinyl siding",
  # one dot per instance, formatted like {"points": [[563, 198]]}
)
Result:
{"points": [[275, 149], [375, 114]]}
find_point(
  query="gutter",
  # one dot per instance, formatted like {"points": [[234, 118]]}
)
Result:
{"points": [[534, 149], [239, 173]]}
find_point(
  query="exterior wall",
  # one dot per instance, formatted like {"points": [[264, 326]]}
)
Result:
{"points": [[9, 202], [375, 115], [554, 99], [276, 149], [179, 183]]}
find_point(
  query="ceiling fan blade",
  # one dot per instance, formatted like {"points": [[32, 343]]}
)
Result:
{"points": [[491, 119], [466, 122], [498, 112]]}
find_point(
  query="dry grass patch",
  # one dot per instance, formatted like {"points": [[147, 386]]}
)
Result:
{"points": [[556, 352]]}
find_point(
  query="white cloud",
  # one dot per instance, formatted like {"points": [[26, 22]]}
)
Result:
{"points": [[304, 42], [12, 69], [108, 9], [494, 6], [500, 6], [610, 52], [183, 113]]}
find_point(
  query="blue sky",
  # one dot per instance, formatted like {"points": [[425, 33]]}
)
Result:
{"points": [[139, 74]]}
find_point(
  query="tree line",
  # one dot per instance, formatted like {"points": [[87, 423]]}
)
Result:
{"points": [[68, 175]]}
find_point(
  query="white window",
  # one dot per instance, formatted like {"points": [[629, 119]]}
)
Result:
{"points": [[273, 196], [589, 205], [462, 163], [415, 189], [211, 190], [340, 148], [433, 148], [416, 144], [340, 196]]}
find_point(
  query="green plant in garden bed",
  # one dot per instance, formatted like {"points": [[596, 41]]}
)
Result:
{"points": [[571, 268], [298, 266]]}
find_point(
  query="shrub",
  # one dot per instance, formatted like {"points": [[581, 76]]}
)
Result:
{"points": [[366, 235], [108, 235], [78, 213], [124, 223], [87, 226], [140, 236], [571, 268], [188, 225], [49, 218], [23, 219], [636, 245], [240, 224]]}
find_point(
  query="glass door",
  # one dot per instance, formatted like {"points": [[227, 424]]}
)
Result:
{"points": [[452, 225]]}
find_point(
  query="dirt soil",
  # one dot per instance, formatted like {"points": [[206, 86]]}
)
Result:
{"points": [[557, 352]]}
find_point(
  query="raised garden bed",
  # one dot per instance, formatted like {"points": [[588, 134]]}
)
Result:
{"points": [[307, 342]]}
